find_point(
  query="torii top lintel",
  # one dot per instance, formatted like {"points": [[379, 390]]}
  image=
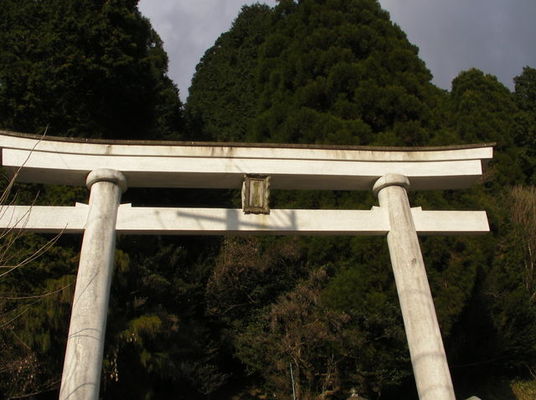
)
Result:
{"points": [[55, 160]]}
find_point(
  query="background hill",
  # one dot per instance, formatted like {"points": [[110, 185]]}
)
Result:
{"points": [[230, 317]]}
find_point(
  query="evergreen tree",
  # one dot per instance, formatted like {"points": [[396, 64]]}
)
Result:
{"points": [[84, 68], [222, 104], [322, 72], [525, 97]]}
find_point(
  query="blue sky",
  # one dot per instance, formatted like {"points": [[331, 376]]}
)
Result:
{"points": [[496, 36]]}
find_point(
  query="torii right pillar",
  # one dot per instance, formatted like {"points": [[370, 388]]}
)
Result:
{"points": [[428, 358]]}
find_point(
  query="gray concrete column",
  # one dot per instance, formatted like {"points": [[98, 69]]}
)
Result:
{"points": [[428, 358], [85, 343]]}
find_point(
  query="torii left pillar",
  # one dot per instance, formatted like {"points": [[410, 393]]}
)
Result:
{"points": [[85, 343]]}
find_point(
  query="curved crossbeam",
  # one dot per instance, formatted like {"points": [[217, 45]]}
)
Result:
{"points": [[223, 165]]}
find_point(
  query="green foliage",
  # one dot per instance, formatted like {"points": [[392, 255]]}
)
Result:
{"points": [[366, 293], [525, 138], [84, 68], [159, 342], [249, 274], [313, 72], [297, 344], [319, 63], [483, 107], [511, 287], [223, 105], [35, 300]]}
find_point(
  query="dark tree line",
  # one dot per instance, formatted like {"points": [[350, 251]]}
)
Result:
{"points": [[253, 318]]}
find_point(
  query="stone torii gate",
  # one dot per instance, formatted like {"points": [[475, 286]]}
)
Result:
{"points": [[108, 168]]}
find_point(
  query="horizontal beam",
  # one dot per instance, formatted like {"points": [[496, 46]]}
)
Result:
{"points": [[224, 165], [216, 221]]}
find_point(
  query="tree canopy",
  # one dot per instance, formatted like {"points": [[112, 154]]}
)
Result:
{"points": [[84, 68]]}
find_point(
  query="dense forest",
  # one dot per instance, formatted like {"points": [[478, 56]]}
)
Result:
{"points": [[251, 318]]}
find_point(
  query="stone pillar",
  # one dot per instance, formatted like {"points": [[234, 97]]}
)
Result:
{"points": [[85, 343], [428, 358]]}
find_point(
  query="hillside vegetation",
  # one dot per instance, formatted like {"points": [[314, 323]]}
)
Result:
{"points": [[257, 317]]}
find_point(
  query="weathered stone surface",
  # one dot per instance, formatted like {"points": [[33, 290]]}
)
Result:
{"points": [[85, 343], [428, 358], [210, 221], [201, 165]]}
